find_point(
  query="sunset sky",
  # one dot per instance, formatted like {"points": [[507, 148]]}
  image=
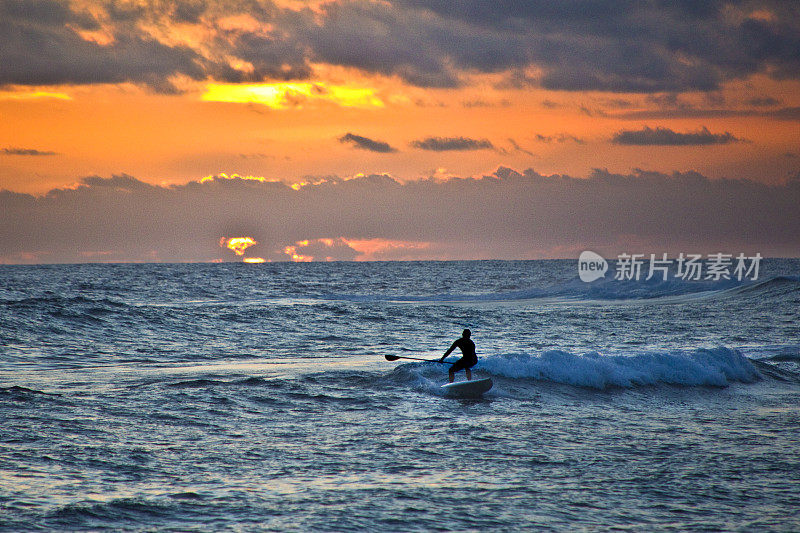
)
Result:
{"points": [[414, 129]]}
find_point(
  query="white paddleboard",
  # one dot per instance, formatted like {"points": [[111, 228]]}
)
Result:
{"points": [[475, 387]]}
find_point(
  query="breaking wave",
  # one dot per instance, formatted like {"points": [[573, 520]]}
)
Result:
{"points": [[601, 290], [710, 367], [699, 367]]}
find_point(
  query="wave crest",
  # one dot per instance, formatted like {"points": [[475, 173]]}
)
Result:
{"points": [[717, 367], [601, 290]]}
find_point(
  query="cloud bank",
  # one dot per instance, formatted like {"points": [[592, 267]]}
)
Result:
{"points": [[666, 137], [784, 113], [46, 42], [26, 151], [506, 215], [445, 144], [602, 45], [560, 138]]}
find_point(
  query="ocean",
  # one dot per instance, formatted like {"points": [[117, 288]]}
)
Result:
{"points": [[249, 397]]}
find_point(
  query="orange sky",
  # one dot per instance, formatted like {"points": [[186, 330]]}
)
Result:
{"points": [[108, 129], [172, 93]]}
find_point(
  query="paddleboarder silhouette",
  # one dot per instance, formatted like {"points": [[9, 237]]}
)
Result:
{"points": [[468, 357]]}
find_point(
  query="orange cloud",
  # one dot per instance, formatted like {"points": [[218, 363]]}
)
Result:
{"points": [[223, 176], [344, 249], [372, 249], [291, 251], [322, 249]]}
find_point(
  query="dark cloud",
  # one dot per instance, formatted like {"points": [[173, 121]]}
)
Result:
{"points": [[40, 45], [668, 100], [510, 215], [256, 155], [518, 148], [365, 143], [273, 57], [189, 11], [45, 13], [381, 38], [592, 112], [597, 45], [120, 182], [617, 103], [444, 144], [715, 99], [666, 137], [763, 101], [469, 104], [783, 113], [632, 46], [560, 138], [26, 151]]}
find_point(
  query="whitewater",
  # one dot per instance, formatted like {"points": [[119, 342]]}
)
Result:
{"points": [[256, 397]]}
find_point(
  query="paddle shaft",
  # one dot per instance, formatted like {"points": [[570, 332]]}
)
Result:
{"points": [[395, 357]]}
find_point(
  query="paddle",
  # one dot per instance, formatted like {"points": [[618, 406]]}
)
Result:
{"points": [[396, 357]]}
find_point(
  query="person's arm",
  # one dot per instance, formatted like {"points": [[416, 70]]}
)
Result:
{"points": [[449, 350]]}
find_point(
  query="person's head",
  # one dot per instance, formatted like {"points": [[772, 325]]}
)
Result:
{"points": [[466, 333]]}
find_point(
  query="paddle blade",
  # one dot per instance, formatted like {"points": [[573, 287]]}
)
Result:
{"points": [[392, 357]]}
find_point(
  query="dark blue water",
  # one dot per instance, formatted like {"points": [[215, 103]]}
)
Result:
{"points": [[257, 397]]}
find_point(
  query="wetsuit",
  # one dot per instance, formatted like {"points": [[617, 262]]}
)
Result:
{"points": [[468, 358]]}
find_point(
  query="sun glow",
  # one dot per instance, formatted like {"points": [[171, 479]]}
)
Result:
{"points": [[371, 249], [344, 249], [291, 95], [222, 176], [291, 251], [237, 244], [33, 95]]}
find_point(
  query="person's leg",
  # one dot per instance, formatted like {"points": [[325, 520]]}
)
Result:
{"points": [[459, 365], [469, 375]]}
